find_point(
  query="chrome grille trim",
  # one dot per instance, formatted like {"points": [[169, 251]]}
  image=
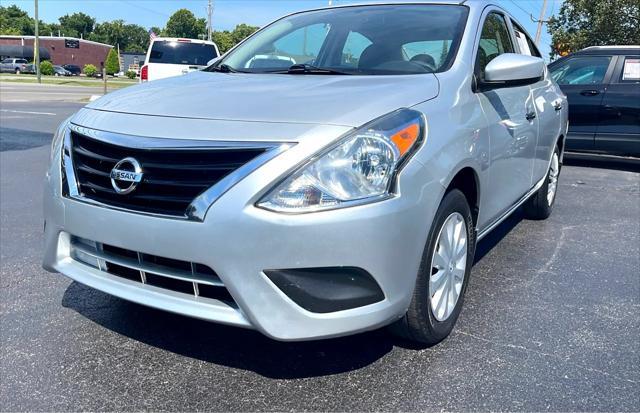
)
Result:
{"points": [[93, 254], [197, 209]]}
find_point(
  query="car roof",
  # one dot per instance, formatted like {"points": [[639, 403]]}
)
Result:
{"points": [[612, 50], [181, 39]]}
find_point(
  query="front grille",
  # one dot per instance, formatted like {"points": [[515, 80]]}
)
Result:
{"points": [[175, 275], [172, 178]]}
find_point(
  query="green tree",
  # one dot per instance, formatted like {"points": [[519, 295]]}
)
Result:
{"points": [[77, 25], [223, 39], [112, 64], [583, 23], [46, 68], [183, 23], [14, 20], [130, 37], [241, 32]]}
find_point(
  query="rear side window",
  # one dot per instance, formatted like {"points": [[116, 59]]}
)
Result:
{"points": [[181, 53], [527, 46], [21, 61], [494, 41], [582, 70], [355, 44], [631, 70]]}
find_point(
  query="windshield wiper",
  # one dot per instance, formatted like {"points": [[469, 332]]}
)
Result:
{"points": [[305, 68], [223, 68]]}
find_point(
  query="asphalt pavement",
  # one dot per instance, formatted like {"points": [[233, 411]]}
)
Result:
{"points": [[551, 320]]}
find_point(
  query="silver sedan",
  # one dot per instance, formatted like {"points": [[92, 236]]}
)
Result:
{"points": [[329, 175]]}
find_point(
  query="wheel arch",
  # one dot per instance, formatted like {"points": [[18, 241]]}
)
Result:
{"points": [[467, 181]]}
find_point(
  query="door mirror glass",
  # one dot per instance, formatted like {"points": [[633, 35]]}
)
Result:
{"points": [[514, 68]]}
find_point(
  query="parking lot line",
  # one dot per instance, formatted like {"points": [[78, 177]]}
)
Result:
{"points": [[27, 112]]}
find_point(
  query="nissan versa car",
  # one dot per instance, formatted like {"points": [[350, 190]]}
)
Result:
{"points": [[329, 175]]}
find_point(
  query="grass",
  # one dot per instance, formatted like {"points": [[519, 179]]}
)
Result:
{"points": [[112, 83]]}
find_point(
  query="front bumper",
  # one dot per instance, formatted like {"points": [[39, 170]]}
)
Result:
{"points": [[239, 242]]}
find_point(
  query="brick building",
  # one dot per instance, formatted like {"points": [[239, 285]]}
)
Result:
{"points": [[61, 50]]}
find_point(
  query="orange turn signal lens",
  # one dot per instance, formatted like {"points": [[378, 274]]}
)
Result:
{"points": [[405, 138]]}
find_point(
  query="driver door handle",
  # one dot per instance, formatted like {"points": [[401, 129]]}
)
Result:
{"points": [[590, 92], [530, 116]]}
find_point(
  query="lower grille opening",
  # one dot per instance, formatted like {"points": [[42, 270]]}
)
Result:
{"points": [[215, 293], [183, 277], [123, 272], [170, 283]]}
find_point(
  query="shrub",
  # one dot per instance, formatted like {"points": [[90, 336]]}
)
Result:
{"points": [[46, 68], [90, 70], [112, 64], [131, 74]]}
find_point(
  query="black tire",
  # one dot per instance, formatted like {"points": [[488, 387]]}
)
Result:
{"points": [[538, 206], [419, 324]]}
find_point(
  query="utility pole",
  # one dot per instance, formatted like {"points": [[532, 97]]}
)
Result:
{"points": [[541, 21], [36, 45], [209, 22]]}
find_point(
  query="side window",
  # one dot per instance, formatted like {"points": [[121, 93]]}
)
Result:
{"points": [[302, 45], [582, 70], [353, 48], [432, 53], [631, 70], [527, 46], [494, 41]]}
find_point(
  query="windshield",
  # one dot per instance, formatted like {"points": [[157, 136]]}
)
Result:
{"points": [[362, 40], [181, 53]]}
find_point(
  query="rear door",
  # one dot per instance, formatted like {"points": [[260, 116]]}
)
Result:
{"points": [[583, 79], [619, 129], [548, 103]]}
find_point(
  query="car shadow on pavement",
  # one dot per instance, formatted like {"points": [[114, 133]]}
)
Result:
{"points": [[494, 237], [228, 346]]}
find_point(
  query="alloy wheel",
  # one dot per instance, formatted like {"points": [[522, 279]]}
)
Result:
{"points": [[448, 265]]}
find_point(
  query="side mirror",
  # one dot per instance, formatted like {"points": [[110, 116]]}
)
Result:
{"points": [[510, 69]]}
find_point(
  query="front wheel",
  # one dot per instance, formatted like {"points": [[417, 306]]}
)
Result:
{"points": [[540, 205], [443, 275]]}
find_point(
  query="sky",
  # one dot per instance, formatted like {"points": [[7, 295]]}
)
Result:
{"points": [[228, 13]]}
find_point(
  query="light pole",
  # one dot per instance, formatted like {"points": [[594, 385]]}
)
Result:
{"points": [[209, 14], [36, 45], [541, 22]]}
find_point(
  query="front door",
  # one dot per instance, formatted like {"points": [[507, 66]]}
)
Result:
{"points": [[512, 126], [583, 80]]}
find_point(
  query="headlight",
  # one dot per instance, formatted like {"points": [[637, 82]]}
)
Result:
{"points": [[360, 168], [58, 138]]}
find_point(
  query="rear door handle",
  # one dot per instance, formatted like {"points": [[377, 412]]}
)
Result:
{"points": [[590, 92], [530, 116], [557, 106]]}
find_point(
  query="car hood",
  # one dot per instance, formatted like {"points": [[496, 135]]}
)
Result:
{"points": [[278, 98]]}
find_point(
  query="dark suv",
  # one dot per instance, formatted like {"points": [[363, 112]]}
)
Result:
{"points": [[602, 84]]}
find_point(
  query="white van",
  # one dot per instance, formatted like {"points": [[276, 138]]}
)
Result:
{"points": [[169, 56]]}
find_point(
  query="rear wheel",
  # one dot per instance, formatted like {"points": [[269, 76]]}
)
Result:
{"points": [[443, 275], [540, 205], [17, 71]]}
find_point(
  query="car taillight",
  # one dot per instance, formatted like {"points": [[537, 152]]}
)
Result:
{"points": [[144, 73]]}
